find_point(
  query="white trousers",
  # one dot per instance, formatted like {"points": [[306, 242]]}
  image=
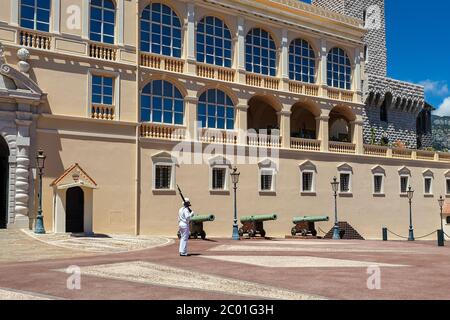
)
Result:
{"points": [[184, 231]]}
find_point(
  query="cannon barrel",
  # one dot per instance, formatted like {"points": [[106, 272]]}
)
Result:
{"points": [[203, 218], [297, 220], [267, 217]]}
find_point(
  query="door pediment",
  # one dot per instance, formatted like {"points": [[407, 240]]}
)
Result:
{"points": [[74, 176]]}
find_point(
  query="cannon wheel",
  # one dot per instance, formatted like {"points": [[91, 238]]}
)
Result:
{"points": [[263, 233], [304, 232], [294, 232], [251, 233], [314, 233], [179, 234], [203, 235], [195, 235], [241, 232]]}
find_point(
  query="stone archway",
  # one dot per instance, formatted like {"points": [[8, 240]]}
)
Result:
{"points": [[4, 182]]}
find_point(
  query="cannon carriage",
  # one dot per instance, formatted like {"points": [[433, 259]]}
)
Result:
{"points": [[196, 229], [254, 225], [306, 226]]}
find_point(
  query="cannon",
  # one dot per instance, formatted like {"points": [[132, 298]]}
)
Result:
{"points": [[254, 225], [196, 226], [306, 225]]}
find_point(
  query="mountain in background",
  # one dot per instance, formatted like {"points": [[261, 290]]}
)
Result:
{"points": [[441, 132]]}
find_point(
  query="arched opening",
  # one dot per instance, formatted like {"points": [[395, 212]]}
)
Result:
{"points": [[4, 182], [339, 124], [303, 121], [75, 210], [262, 115]]}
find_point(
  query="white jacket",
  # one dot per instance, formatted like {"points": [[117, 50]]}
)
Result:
{"points": [[184, 217]]}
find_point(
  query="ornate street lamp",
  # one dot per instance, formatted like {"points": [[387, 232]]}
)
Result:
{"points": [[410, 194], [335, 187], [441, 202], [235, 180], [40, 163]]}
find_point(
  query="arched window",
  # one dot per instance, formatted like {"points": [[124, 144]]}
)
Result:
{"points": [[339, 69], [102, 21], [162, 102], [260, 53], [35, 14], [302, 63], [161, 30], [216, 110], [213, 42]]}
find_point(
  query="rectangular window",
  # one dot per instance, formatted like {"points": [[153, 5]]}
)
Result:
{"points": [[218, 178], [307, 181], [448, 186], [163, 177], [102, 90], [428, 183], [345, 182], [378, 184], [267, 180], [404, 183]]}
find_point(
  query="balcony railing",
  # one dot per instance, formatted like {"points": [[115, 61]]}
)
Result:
{"points": [[305, 144], [162, 131], [373, 150], [338, 94], [102, 51], [213, 72], [161, 62], [102, 112], [256, 80], [342, 147], [218, 136], [425, 155], [304, 88], [33, 39], [262, 140], [402, 153]]}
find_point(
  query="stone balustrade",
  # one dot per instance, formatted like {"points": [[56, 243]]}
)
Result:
{"points": [[342, 147], [103, 112], [373, 150], [263, 140], [161, 62], [304, 88], [213, 72], [218, 136], [256, 80], [162, 131], [305, 144], [102, 51], [338, 94], [33, 39]]}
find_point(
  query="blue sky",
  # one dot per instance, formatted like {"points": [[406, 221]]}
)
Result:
{"points": [[418, 40]]}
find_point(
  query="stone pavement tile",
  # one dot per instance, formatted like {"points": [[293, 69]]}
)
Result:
{"points": [[8, 294], [300, 262], [156, 274]]}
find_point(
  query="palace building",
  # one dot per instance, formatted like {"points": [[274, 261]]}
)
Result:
{"points": [[112, 90]]}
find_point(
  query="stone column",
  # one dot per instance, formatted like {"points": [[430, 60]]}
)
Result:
{"points": [[357, 133], [357, 84], [323, 55], [285, 128], [85, 20], [323, 132], [240, 49], [120, 22], [241, 123], [285, 60], [190, 39], [14, 13], [56, 15], [191, 117], [22, 173]]}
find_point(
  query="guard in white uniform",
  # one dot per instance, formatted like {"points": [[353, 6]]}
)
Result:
{"points": [[184, 217]]}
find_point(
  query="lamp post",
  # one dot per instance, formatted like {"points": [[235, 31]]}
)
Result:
{"points": [[335, 187], [441, 202], [40, 163], [410, 194], [235, 180]]}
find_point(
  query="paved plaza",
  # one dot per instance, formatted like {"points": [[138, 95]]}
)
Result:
{"points": [[120, 267]]}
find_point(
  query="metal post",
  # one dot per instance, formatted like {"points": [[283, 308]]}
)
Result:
{"points": [[235, 224], [336, 235], [39, 227], [385, 234], [442, 222], [411, 229], [441, 240]]}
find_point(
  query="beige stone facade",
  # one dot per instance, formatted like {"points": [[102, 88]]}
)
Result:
{"points": [[117, 152]]}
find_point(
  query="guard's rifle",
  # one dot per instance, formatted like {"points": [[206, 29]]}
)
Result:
{"points": [[182, 197]]}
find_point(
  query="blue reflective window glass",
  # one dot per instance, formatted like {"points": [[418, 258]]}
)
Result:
{"points": [[260, 52], [216, 110], [35, 14], [339, 69], [102, 21], [167, 104], [165, 36], [301, 58], [102, 90], [213, 42]]}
